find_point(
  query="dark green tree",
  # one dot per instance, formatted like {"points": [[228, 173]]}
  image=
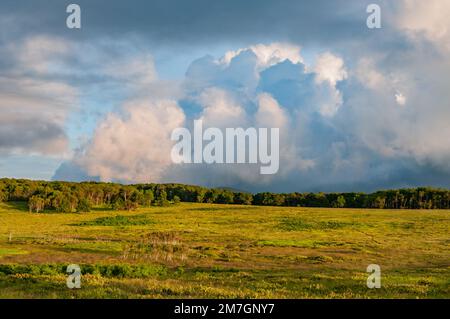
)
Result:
{"points": [[84, 205]]}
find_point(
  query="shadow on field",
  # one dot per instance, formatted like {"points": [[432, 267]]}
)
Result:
{"points": [[86, 250], [22, 206], [209, 209], [100, 209]]}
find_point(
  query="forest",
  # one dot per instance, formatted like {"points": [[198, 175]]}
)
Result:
{"points": [[70, 197]]}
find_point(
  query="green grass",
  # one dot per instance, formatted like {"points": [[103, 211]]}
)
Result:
{"points": [[298, 224], [225, 251], [299, 243], [114, 271], [119, 220], [11, 251]]}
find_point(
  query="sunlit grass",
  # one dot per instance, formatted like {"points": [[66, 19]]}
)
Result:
{"points": [[225, 251]]}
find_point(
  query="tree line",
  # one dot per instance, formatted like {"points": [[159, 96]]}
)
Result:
{"points": [[81, 197]]}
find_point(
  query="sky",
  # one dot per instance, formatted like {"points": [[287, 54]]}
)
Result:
{"points": [[358, 109]]}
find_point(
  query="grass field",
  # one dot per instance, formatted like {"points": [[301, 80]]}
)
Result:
{"points": [[224, 251]]}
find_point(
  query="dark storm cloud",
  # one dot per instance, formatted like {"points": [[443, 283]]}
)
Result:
{"points": [[195, 21], [25, 134]]}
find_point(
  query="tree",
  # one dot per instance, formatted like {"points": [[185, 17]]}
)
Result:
{"points": [[56, 199], [269, 199], [118, 203], [162, 198], [70, 197], [294, 199], [225, 197], [211, 196], [379, 202], [129, 198], [84, 205], [339, 202], [147, 198], [176, 200], [200, 195], [36, 204], [317, 200], [243, 198], [68, 204], [130, 205]]}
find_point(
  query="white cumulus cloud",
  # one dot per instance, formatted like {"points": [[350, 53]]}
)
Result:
{"points": [[268, 54], [329, 67], [135, 146]]}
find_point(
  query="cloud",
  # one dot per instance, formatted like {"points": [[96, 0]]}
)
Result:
{"points": [[33, 105], [368, 74], [220, 109], [70, 171], [426, 19], [137, 71], [178, 23], [229, 95], [400, 98], [41, 54], [270, 113], [329, 67], [31, 135], [371, 111], [134, 146], [49, 79], [412, 133], [267, 54]]}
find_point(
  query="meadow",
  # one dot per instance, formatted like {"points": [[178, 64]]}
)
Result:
{"points": [[224, 251]]}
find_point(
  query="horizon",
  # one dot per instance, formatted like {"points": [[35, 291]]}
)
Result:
{"points": [[231, 189]]}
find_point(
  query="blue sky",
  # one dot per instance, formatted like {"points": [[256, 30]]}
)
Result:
{"points": [[358, 109]]}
